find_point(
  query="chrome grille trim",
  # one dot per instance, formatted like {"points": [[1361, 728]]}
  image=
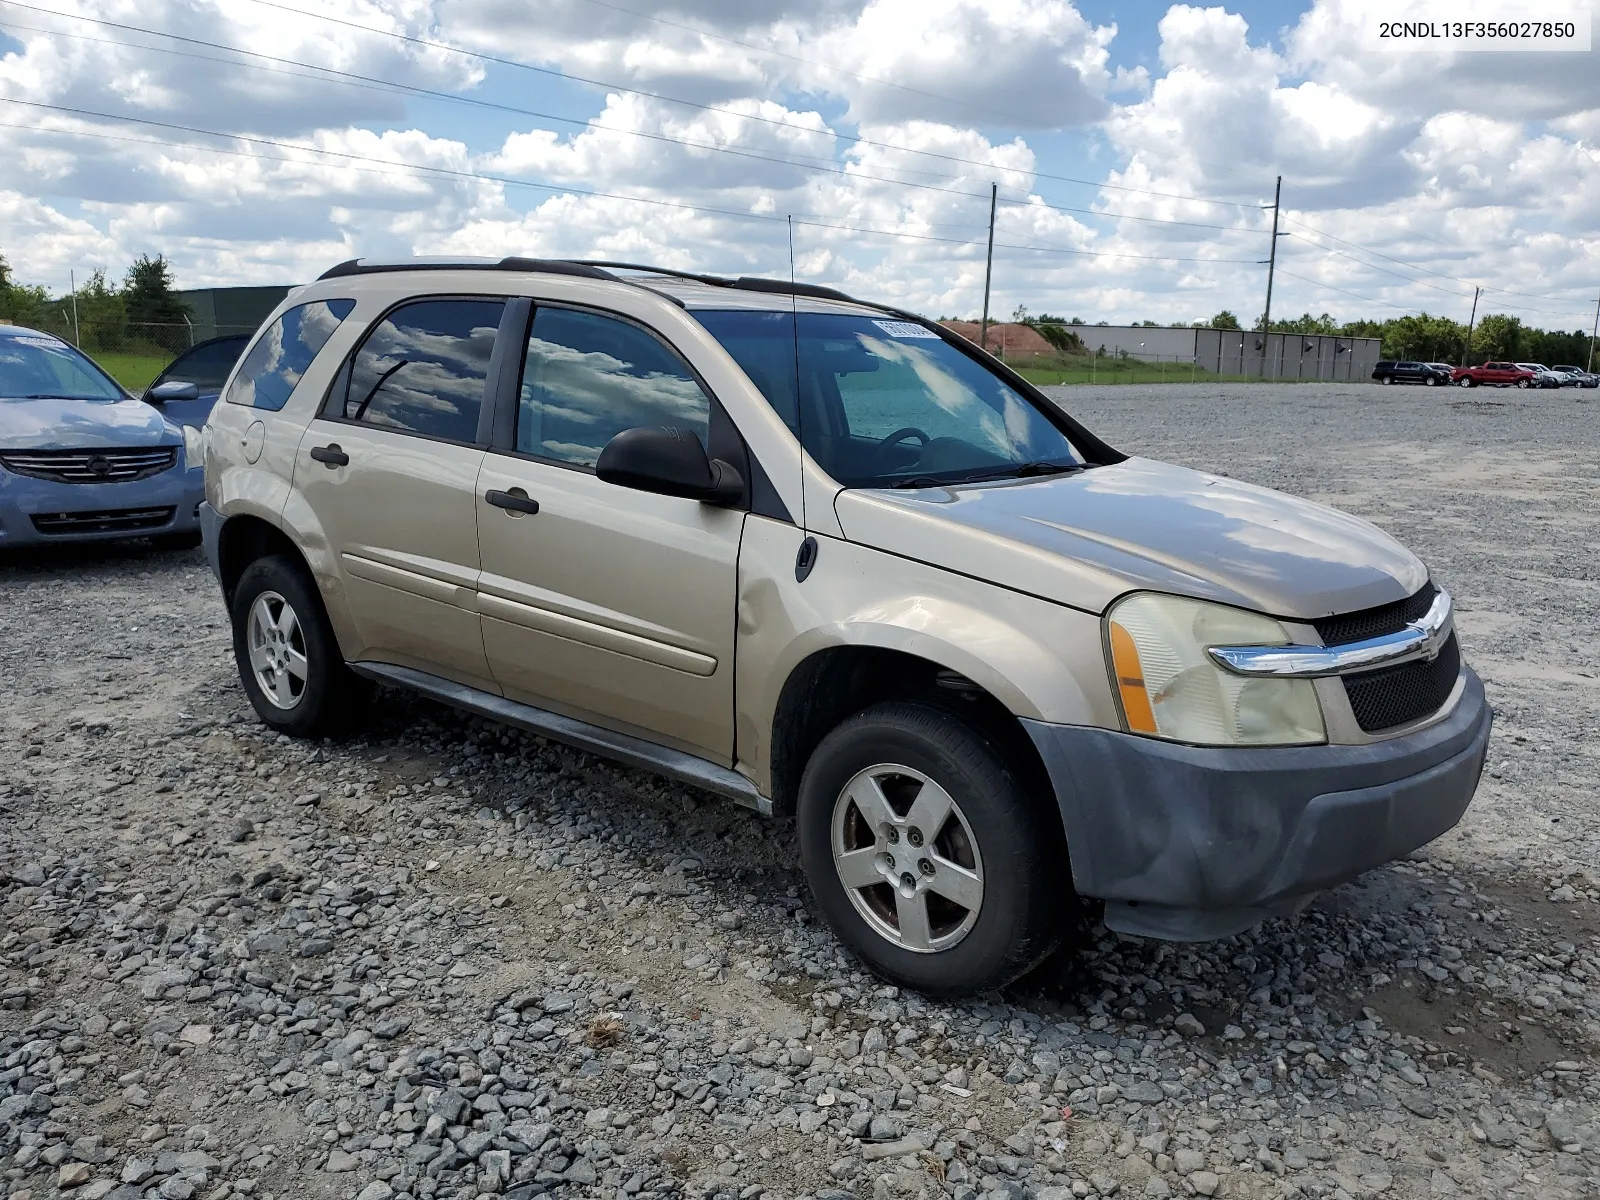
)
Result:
{"points": [[1423, 638], [108, 465]]}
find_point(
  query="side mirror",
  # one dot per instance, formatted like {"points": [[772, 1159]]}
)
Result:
{"points": [[172, 389], [668, 462]]}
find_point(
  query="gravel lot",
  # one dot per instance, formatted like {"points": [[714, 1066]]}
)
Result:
{"points": [[445, 959]]}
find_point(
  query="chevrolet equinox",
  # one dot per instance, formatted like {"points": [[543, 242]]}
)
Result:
{"points": [[829, 559]]}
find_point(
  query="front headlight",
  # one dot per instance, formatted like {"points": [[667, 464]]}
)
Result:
{"points": [[1169, 687], [194, 447]]}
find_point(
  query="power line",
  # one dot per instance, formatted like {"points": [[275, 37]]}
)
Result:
{"points": [[844, 137], [352, 79], [450, 172], [1372, 267], [759, 49], [717, 37], [1343, 291], [1425, 270]]}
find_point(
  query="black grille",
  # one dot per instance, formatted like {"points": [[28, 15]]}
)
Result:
{"points": [[1375, 622], [1399, 695], [122, 520], [110, 465]]}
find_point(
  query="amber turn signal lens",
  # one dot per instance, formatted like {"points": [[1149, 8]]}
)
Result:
{"points": [[1136, 708]]}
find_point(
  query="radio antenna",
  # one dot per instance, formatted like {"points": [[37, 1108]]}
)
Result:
{"points": [[799, 404]]}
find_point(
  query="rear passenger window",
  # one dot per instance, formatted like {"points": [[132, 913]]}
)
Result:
{"points": [[282, 354], [422, 369], [588, 377]]}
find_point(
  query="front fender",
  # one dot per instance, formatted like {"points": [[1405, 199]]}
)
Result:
{"points": [[1033, 656]]}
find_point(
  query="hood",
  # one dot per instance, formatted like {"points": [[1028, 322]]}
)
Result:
{"points": [[1086, 538], [56, 424]]}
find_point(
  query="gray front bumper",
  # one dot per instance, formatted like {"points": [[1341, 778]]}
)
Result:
{"points": [[1190, 843]]}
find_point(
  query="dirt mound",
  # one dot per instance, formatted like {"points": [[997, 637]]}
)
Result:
{"points": [[1007, 340]]}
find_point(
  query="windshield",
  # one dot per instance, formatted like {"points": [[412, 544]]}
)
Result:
{"points": [[37, 366], [888, 403]]}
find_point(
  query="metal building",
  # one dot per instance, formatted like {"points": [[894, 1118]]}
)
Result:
{"points": [[1238, 352], [216, 311]]}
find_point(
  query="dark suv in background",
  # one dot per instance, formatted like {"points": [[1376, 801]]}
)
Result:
{"points": [[1411, 372]]}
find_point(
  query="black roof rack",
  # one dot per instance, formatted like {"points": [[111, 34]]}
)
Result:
{"points": [[549, 266], [693, 276], [785, 287]]}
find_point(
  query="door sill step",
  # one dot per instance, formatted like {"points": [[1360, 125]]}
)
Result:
{"points": [[622, 747]]}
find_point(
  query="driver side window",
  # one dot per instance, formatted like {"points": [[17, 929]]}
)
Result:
{"points": [[587, 377]]}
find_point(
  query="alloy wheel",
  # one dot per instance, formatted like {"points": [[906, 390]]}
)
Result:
{"points": [[907, 858], [277, 647]]}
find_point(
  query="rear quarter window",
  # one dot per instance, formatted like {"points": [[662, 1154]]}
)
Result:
{"points": [[281, 355]]}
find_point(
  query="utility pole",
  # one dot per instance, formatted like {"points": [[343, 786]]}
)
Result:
{"points": [[1593, 332], [1272, 264], [988, 267], [1466, 350], [77, 334]]}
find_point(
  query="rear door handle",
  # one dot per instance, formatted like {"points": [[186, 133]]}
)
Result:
{"points": [[516, 501], [330, 454]]}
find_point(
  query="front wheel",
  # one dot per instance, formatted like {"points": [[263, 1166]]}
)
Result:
{"points": [[289, 661], [929, 853], [1388, 379], [1431, 381], [1467, 381], [1522, 383]]}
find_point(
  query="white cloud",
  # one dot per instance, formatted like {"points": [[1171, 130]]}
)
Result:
{"points": [[1474, 166]]}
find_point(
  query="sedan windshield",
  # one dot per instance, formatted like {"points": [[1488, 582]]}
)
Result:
{"points": [[36, 366], [887, 403]]}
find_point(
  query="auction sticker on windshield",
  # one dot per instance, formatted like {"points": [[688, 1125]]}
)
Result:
{"points": [[905, 329]]}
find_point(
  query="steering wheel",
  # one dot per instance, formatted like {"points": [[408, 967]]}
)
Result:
{"points": [[900, 435]]}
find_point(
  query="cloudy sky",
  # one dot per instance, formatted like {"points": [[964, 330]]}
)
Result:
{"points": [[1134, 145]]}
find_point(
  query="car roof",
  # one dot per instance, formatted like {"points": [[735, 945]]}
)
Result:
{"points": [[688, 289], [25, 331]]}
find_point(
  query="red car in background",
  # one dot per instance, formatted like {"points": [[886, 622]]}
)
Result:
{"points": [[1493, 374]]}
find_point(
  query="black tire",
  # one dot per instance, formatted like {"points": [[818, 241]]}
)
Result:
{"points": [[1388, 379], [1431, 381], [1020, 850], [1467, 381], [330, 696], [1522, 383]]}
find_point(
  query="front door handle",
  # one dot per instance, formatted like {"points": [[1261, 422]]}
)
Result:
{"points": [[515, 501], [330, 454]]}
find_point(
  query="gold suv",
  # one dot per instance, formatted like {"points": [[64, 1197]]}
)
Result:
{"points": [[830, 560]]}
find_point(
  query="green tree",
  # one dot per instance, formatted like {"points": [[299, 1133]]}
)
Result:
{"points": [[1053, 330], [1324, 325], [148, 294], [1224, 320], [1498, 337], [1364, 328], [21, 304], [101, 319], [1423, 338]]}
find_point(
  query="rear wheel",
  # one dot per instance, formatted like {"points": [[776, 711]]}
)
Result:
{"points": [[289, 661], [927, 853]]}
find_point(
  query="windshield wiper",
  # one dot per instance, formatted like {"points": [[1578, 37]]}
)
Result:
{"points": [[924, 481], [1027, 470]]}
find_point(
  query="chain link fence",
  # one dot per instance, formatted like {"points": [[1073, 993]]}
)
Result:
{"points": [[143, 339]]}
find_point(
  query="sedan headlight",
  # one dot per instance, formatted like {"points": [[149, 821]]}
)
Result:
{"points": [[194, 447], [1169, 687]]}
